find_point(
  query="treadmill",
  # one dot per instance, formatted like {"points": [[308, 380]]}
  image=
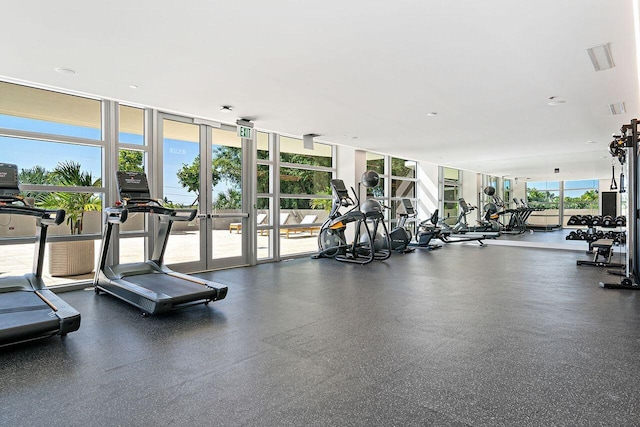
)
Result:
{"points": [[149, 285], [28, 310]]}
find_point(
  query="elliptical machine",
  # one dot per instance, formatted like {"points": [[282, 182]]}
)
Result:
{"points": [[366, 246]]}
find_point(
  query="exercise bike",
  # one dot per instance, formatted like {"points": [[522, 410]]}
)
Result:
{"points": [[401, 237], [367, 245]]}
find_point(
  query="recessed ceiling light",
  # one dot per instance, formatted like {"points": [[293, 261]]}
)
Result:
{"points": [[600, 57], [354, 137], [133, 86], [554, 100], [432, 114], [591, 142], [226, 108], [67, 71]]}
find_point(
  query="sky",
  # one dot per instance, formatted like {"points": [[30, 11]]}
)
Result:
{"points": [[27, 153]]}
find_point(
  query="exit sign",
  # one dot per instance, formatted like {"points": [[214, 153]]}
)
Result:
{"points": [[244, 132]]}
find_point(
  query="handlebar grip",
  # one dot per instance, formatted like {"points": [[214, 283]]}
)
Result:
{"points": [[187, 218], [56, 219]]}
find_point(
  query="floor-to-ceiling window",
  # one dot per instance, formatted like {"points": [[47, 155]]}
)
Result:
{"points": [[580, 198], [57, 142], [132, 157], [452, 191], [545, 196], [403, 186], [305, 193], [266, 196], [507, 192]]}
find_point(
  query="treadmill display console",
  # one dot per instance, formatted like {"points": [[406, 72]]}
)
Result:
{"points": [[132, 185], [8, 179], [339, 188]]}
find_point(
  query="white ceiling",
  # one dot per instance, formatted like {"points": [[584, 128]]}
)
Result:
{"points": [[345, 69]]}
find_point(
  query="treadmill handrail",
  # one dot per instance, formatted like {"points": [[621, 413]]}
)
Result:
{"points": [[154, 206], [116, 214], [49, 217]]}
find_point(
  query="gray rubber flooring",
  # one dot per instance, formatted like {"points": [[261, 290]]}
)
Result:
{"points": [[462, 336]]}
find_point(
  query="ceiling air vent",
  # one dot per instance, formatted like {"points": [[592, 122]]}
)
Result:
{"points": [[618, 108], [601, 57]]}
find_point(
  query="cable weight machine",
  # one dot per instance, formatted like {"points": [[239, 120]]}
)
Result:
{"points": [[624, 147]]}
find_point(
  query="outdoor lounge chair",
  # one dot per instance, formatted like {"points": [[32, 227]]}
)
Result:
{"points": [[238, 225], [307, 220]]}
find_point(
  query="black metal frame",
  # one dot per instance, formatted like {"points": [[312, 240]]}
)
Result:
{"points": [[625, 148]]}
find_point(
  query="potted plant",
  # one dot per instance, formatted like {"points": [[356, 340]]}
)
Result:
{"points": [[73, 257]]}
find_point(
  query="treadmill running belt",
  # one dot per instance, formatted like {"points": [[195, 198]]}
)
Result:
{"points": [[180, 290], [23, 315]]}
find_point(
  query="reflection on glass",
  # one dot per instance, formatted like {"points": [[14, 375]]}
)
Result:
{"points": [[403, 168], [378, 190], [181, 167], [401, 188], [581, 197], [450, 212], [375, 162], [43, 111], [293, 151], [507, 194], [181, 178], [543, 194], [131, 129], [304, 181], [451, 174]]}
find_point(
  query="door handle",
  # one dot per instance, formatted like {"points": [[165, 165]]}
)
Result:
{"points": [[229, 215]]}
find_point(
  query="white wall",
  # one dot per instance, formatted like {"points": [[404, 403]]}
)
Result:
{"points": [[427, 189]]}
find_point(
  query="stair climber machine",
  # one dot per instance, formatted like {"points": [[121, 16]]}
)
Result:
{"points": [[401, 237], [368, 226], [151, 286], [28, 310], [461, 231]]}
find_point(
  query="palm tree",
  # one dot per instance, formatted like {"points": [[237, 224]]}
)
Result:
{"points": [[69, 173]]}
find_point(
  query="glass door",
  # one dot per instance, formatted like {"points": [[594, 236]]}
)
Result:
{"points": [[202, 168], [228, 219]]}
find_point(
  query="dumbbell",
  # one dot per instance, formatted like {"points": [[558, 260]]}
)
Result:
{"points": [[607, 221], [596, 220]]}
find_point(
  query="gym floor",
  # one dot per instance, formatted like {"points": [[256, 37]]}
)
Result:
{"points": [[461, 336]]}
